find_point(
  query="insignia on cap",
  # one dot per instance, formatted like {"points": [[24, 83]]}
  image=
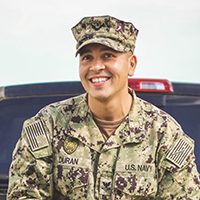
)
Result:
{"points": [[179, 152], [96, 24], [36, 136], [70, 145]]}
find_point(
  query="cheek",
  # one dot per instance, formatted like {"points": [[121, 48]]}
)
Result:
{"points": [[82, 72], [83, 77], [115, 67], [120, 69]]}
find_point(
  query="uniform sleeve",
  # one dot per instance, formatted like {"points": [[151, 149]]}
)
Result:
{"points": [[179, 178], [30, 175]]}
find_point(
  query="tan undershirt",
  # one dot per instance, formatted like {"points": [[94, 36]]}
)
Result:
{"points": [[107, 128]]}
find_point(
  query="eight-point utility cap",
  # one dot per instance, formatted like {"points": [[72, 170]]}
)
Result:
{"points": [[109, 31]]}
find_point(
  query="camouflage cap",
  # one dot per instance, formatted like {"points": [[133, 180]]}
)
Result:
{"points": [[106, 30]]}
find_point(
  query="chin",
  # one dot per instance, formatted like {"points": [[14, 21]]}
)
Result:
{"points": [[99, 97]]}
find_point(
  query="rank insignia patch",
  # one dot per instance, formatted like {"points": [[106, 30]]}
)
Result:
{"points": [[70, 145], [36, 136], [179, 152]]}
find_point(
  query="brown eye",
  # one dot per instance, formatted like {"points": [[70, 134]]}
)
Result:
{"points": [[86, 57], [108, 55]]}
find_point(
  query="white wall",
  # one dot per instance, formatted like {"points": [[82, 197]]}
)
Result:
{"points": [[36, 43]]}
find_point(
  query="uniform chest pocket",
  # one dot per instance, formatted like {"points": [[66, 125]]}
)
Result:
{"points": [[72, 181], [129, 185]]}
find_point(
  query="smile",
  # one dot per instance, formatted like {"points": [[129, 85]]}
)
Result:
{"points": [[99, 80]]}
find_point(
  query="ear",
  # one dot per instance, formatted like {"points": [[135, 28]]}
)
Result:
{"points": [[132, 64]]}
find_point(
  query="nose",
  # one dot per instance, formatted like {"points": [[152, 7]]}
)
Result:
{"points": [[97, 65]]}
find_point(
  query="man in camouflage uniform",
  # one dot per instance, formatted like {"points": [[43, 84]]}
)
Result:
{"points": [[107, 144]]}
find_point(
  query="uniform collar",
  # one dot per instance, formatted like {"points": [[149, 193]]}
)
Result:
{"points": [[83, 127], [132, 129]]}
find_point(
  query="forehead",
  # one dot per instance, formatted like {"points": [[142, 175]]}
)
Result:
{"points": [[95, 46]]}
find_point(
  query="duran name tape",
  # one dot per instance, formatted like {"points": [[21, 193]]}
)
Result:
{"points": [[180, 152], [36, 136]]}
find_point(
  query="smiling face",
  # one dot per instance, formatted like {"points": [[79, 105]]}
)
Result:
{"points": [[104, 72]]}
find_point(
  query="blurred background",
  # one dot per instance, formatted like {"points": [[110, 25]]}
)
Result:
{"points": [[36, 43]]}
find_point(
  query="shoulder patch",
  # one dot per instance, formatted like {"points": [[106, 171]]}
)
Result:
{"points": [[179, 152], [36, 135]]}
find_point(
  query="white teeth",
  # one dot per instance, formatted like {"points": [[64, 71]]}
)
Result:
{"points": [[98, 80]]}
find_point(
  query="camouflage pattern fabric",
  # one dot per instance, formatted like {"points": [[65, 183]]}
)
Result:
{"points": [[106, 30], [62, 155]]}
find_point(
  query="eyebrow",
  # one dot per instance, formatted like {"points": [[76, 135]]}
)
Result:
{"points": [[84, 50]]}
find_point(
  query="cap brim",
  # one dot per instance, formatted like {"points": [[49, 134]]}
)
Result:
{"points": [[104, 41]]}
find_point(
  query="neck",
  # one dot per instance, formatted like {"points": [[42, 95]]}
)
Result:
{"points": [[110, 110]]}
